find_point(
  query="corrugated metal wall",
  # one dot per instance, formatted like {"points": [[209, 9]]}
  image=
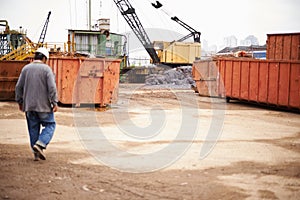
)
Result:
{"points": [[283, 46]]}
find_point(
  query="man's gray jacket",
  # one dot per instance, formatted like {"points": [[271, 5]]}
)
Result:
{"points": [[36, 88]]}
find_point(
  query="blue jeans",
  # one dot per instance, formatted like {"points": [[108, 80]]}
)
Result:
{"points": [[34, 122]]}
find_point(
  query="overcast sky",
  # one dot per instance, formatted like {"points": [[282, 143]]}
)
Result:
{"points": [[215, 19]]}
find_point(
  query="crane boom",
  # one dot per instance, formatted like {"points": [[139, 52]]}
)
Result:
{"points": [[43, 33], [133, 21], [194, 33]]}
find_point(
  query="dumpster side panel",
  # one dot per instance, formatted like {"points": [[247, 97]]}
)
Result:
{"points": [[221, 79], [283, 84], [67, 73], [236, 78], [203, 81], [287, 51], [245, 75], [279, 48], [272, 83], [295, 47], [214, 85], [89, 87], [9, 74], [110, 82], [228, 77], [294, 95], [253, 83], [263, 78], [271, 42], [205, 74], [283, 46]]}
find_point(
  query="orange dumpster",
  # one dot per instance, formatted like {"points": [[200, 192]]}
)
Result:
{"points": [[269, 82], [9, 74], [79, 80], [272, 82]]}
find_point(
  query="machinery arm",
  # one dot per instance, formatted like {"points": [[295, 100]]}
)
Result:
{"points": [[43, 34], [6, 25], [194, 33], [133, 21]]}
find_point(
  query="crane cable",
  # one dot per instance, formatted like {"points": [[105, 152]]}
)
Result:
{"points": [[159, 6], [146, 17]]}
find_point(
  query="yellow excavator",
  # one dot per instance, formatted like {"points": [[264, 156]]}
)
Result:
{"points": [[16, 45]]}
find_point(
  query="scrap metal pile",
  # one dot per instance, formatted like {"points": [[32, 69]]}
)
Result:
{"points": [[180, 77]]}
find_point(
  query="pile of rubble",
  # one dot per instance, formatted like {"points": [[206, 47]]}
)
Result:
{"points": [[180, 77]]}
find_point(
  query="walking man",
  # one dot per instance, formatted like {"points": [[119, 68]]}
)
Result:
{"points": [[36, 95]]}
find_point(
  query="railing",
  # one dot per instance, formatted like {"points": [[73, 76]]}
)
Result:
{"points": [[100, 50], [20, 53], [27, 50]]}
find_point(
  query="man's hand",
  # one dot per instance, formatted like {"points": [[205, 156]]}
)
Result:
{"points": [[55, 108]]}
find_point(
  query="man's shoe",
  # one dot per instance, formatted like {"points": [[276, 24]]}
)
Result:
{"points": [[36, 156], [38, 149]]}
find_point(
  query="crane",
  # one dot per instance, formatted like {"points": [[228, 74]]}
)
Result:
{"points": [[194, 33], [133, 21], [172, 54], [6, 25], [44, 31]]}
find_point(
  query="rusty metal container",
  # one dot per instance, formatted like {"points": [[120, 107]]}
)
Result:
{"points": [[274, 82], [86, 81], [268, 82], [79, 80], [262, 81], [283, 46], [205, 74], [9, 74]]}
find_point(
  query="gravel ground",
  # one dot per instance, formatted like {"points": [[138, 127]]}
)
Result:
{"points": [[254, 152]]}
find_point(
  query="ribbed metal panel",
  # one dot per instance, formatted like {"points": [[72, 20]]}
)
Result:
{"points": [[284, 46]]}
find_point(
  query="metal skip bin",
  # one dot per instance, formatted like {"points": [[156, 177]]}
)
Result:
{"points": [[268, 82], [206, 74], [78, 80], [86, 80], [9, 74], [283, 46]]}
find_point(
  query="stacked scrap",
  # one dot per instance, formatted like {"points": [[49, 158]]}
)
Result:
{"points": [[180, 77]]}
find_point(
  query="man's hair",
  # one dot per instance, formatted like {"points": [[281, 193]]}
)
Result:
{"points": [[39, 56]]}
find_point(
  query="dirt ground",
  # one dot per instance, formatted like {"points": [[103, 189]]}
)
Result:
{"points": [[255, 156]]}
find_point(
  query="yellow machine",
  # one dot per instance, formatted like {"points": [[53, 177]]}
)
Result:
{"points": [[177, 53], [15, 45]]}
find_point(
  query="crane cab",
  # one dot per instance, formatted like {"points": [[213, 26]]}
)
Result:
{"points": [[177, 53]]}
